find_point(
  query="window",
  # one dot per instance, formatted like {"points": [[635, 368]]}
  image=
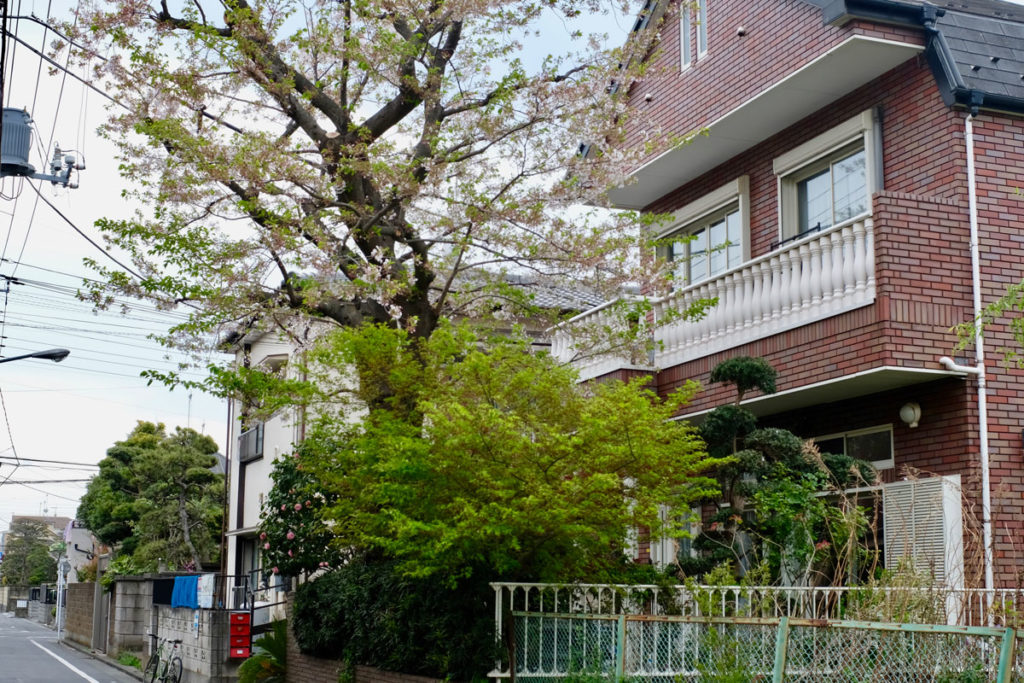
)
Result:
{"points": [[709, 248], [830, 179], [873, 445], [702, 28], [693, 19], [685, 42], [710, 235]]}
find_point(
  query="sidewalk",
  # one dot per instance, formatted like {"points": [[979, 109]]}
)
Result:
{"points": [[100, 657]]}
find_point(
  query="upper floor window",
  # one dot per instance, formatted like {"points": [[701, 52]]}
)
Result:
{"points": [[693, 30], [709, 248], [710, 235], [830, 179]]}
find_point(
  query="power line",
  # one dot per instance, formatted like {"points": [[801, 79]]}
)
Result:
{"points": [[84, 236], [48, 493], [49, 481], [53, 462], [202, 112]]}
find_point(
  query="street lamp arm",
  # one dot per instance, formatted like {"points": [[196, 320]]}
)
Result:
{"points": [[56, 355]]}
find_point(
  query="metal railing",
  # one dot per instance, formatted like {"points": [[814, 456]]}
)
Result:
{"points": [[585, 647], [250, 444], [952, 606]]}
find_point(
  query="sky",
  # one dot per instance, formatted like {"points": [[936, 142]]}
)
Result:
{"points": [[74, 410]]}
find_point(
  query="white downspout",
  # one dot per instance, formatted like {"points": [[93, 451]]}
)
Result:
{"points": [[979, 358]]}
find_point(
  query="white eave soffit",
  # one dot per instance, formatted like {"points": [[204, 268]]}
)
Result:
{"points": [[844, 68], [857, 385]]}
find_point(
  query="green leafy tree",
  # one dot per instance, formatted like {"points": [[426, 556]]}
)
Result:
{"points": [[491, 457], [156, 497], [27, 558], [109, 506]]}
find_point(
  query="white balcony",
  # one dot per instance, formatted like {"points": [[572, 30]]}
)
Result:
{"points": [[811, 279]]}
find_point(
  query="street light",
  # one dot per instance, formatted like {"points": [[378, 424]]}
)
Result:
{"points": [[56, 355]]}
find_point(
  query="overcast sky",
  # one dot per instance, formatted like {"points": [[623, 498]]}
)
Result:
{"points": [[74, 410]]}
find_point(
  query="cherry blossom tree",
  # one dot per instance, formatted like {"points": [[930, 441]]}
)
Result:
{"points": [[358, 161]]}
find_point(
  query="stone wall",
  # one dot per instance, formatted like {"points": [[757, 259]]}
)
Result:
{"points": [[205, 643], [131, 615], [78, 614]]}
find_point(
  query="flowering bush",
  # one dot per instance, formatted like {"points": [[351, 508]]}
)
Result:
{"points": [[293, 535]]}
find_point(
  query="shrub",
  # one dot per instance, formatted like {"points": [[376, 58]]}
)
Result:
{"points": [[129, 659], [367, 613], [268, 663]]}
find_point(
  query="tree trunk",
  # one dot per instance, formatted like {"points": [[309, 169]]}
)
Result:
{"points": [[186, 532]]}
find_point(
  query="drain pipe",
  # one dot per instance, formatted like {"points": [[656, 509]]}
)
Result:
{"points": [[979, 357]]}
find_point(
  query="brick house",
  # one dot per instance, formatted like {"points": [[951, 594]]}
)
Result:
{"points": [[829, 205]]}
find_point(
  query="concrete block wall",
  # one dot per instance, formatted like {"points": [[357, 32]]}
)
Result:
{"points": [[40, 611], [9, 597], [205, 642], [78, 619], [131, 615]]}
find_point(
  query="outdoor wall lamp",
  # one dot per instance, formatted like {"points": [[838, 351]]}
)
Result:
{"points": [[910, 413]]}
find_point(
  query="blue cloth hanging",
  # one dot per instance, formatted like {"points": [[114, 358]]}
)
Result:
{"points": [[186, 592]]}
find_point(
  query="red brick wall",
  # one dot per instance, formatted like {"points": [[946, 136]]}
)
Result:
{"points": [[999, 148], [922, 255], [782, 36]]}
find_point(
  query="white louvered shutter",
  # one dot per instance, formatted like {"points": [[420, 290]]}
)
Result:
{"points": [[923, 522]]}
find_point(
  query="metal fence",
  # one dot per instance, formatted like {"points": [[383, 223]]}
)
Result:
{"points": [[912, 604], [674, 648]]}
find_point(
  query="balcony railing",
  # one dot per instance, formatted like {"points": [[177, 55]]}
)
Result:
{"points": [[810, 279], [250, 444]]}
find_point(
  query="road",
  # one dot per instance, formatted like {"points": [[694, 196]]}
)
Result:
{"points": [[29, 653]]}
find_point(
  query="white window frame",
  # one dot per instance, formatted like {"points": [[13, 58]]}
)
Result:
{"points": [[685, 44], [702, 28], [886, 464], [793, 166], [691, 216], [689, 26]]}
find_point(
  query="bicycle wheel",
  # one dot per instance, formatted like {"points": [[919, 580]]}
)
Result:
{"points": [[152, 664], [173, 674]]}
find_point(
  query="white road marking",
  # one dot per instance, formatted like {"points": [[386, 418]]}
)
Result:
{"points": [[65, 663]]}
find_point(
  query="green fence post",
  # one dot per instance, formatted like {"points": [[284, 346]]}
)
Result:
{"points": [[1006, 656], [781, 649], [620, 649]]}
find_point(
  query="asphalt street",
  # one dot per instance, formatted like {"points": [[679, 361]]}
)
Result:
{"points": [[29, 653]]}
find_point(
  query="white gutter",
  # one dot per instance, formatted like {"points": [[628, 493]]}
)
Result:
{"points": [[979, 358]]}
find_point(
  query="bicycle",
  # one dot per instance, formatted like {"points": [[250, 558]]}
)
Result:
{"points": [[159, 668]]}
